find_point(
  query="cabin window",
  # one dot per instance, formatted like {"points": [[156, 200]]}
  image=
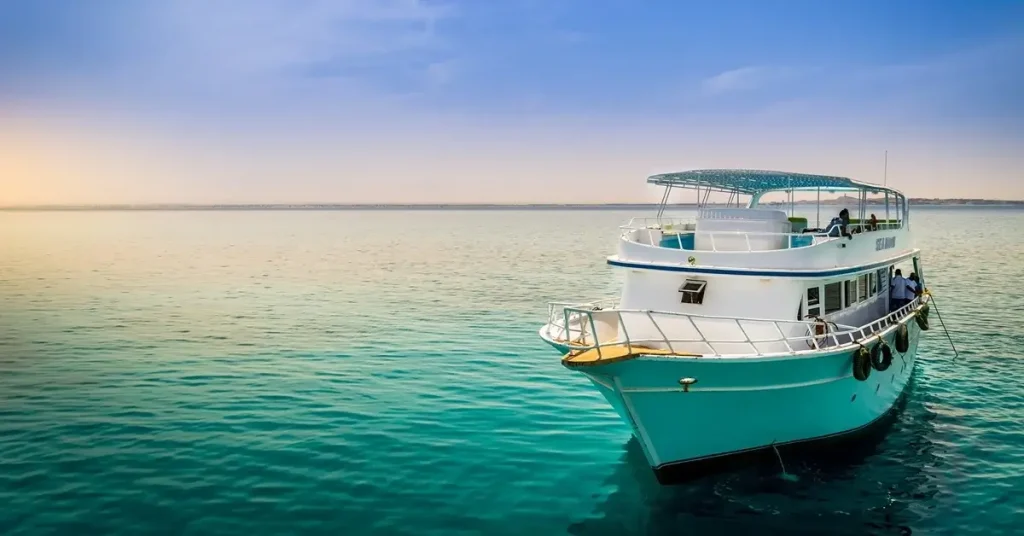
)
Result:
{"points": [[693, 291], [862, 287], [873, 283], [813, 296], [833, 297], [882, 281], [814, 301], [851, 291]]}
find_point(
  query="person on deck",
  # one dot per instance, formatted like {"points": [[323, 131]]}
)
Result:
{"points": [[873, 223], [915, 284], [837, 227], [901, 292]]}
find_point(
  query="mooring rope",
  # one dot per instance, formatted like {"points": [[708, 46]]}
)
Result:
{"points": [[956, 354]]}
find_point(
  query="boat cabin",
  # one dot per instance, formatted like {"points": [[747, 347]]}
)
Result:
{"points": [[744, 258]]}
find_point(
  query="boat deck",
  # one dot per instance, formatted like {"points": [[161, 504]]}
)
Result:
{"points": [[628, 333], [614, 352]]}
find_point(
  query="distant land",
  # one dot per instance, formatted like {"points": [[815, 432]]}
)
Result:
{"points": [[914, 201], [466, 206]]}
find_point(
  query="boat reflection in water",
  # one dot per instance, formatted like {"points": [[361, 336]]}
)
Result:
{"points": [[874, 498]]}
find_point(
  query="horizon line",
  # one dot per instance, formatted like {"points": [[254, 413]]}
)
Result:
{"points": [[432, 206]]}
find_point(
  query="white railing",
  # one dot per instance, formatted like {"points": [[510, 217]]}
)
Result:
{"points": [[558, 319], [690, 224], [865, 227], [733, 237], [582, 328], [654, 229], [665, 224]]}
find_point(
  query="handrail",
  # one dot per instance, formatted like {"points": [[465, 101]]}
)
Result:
{"points": [[816, 238], [657, 223], [843, 336], [641, 223]]}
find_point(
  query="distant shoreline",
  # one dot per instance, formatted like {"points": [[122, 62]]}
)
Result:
{"points": [[972, 203]]}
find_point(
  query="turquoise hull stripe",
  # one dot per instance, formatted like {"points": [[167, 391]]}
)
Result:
{"points": [[759, 273]]}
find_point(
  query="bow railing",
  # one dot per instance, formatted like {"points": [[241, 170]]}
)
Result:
{"points": [[585, 327]]}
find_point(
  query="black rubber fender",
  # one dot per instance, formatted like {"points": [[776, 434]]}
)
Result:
{"points": [[902, 338], [922, 317], [861, 364], [881, 356]]}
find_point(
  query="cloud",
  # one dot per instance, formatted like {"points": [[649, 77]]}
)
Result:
{"points": [[744, 79], [982, 81], [192, 51], [278, 38], [441, 73]]}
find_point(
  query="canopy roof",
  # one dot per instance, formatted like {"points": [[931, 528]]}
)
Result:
{"points": [[754, 181]]}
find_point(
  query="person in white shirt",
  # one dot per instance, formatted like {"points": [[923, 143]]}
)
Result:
{"points": [[916, 284], [912, 286], [902, 291]]}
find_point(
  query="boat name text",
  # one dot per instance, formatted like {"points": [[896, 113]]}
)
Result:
{"points": [[885, 243]]}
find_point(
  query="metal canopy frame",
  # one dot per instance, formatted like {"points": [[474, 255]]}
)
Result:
{"points": [[754, 181]]}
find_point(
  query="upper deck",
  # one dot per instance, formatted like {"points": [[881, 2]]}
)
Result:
{"points": [[765, 239]]}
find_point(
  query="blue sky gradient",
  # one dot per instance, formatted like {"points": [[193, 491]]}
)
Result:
{"points": [[499, 101]]}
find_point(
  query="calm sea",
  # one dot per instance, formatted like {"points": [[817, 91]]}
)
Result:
{"points": [[380, 373]]}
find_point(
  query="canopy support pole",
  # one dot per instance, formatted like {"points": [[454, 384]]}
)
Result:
{"points": [[863, 208], [664, 202], [906, 214], [887, 208], [790, 198]]}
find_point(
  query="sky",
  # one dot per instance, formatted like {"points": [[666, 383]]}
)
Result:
{"points": [[500, 101]]}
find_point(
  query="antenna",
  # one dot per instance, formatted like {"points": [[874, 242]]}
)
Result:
{"points": [[885, 177]]}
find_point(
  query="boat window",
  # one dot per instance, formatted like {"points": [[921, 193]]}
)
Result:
{"points": [[813, 296], [883, 283], [693, 291], [862, 287], [833, 297], [814, 301], [874, 283], [851, 291]]}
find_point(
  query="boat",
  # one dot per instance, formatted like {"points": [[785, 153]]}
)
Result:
{"points": [[744, 332]]}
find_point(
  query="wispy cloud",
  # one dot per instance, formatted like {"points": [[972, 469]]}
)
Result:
{"points": [[983, 79], [980, 59], [193, 51], [441, 73], [745, 78], [274, 35]]}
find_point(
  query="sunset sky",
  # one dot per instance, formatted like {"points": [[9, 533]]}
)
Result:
{"points": [[353, 101]]}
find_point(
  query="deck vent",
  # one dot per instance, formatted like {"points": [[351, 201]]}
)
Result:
{"points": [[693, 291]]}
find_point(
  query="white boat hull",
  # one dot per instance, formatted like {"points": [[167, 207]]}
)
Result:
{"points": [[741, 405]]}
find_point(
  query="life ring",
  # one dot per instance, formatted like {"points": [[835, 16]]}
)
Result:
{"points": [[922, 317], [861, 364], [881, 356], [902, 339]]}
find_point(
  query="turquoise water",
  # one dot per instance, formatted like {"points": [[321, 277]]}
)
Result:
{"points": [[380, 373]]}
